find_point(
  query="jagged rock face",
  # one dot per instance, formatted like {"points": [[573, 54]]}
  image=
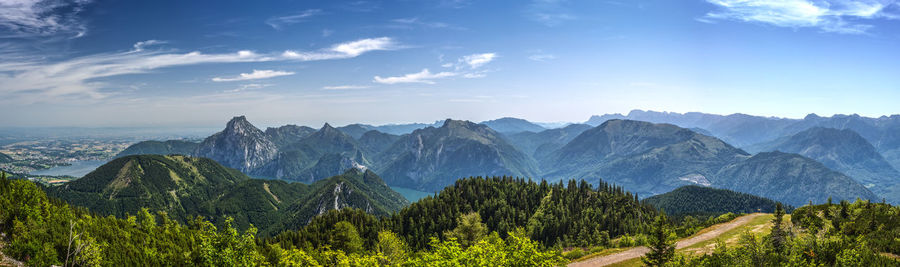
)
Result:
{"points": [[432, 158], [241, 146]]}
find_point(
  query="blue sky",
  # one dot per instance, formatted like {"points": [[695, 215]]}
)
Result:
{"points": [[198, 63]]}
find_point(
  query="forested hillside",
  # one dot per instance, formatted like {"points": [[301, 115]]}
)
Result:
{"points": [[699, 200], [186, 187], [169, 147]]}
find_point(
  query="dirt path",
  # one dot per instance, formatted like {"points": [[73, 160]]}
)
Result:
{"points": [[637, 252]]}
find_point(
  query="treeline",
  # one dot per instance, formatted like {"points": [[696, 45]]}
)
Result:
{"points": [[41, 231], [555, 215], [707, 201], [857, 234]]}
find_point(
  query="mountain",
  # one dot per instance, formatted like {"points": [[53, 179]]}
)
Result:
{"points": [[356, 130], [431, 158], [744, 130], [185, 187], [377, 142], [288, 134], [324, 153], [700, 200], [789, 178], [844, 151], [241, 146], [355, 188], [538, 144], [5, 158], [736, 129], [643, 157], [181, 186], [650, 159], [169, 147], [512, 125]]}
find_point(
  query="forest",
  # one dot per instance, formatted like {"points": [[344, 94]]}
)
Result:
{"points": [[498, 221]]}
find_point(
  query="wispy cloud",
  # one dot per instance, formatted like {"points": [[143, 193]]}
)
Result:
{"points": [[477, 60], [139, 46], [345, 87], [465, 67], [40, 18], [255, 75], [247, 87], [542, 57], [549, 12], [838, 16], [279, 22], [417, 22], [423, 76], [80, 75]]}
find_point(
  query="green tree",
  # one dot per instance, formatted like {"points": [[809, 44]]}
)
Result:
{"points": [[344, 237], [391, 247], [469, 229], [778, 235], [661, 244]]}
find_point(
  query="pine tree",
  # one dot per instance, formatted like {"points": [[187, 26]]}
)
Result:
{"points": [[778, 235], [662, 247]]}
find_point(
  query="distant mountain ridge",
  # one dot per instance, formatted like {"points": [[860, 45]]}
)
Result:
{"points": [[650, 159], [644, 157], [509, 125], [844, 151], [744, 130]]}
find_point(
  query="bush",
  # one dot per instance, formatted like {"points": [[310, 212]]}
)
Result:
{"points": [[573, 254], [596, 249]]}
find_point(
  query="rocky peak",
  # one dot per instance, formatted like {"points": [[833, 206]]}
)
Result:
{"points": [[239, 124], [240, 145]]}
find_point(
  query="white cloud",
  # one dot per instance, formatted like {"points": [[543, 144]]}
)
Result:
{"points": [[80, 75], [345, 87], [28, 18], [839, 16], [279, 22], [542, 57], [345, 50], [423, 76], [478, 60], [255, 75], [465, 67]]}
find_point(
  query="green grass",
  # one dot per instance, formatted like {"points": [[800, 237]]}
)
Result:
{"points": [[731, 236]]}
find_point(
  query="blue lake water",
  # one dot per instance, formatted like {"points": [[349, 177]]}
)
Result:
{"points": [[77, 169], [411, 194]]}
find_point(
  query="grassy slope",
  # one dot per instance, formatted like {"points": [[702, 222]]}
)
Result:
{"points": [[760, 226]]}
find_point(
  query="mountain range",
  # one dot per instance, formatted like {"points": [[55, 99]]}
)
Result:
{"points": [[643, 157], [744, 130], [844, 151]]}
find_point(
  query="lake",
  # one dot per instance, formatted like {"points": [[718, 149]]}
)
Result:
{"points": [[77, 169], [411, 194]]}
